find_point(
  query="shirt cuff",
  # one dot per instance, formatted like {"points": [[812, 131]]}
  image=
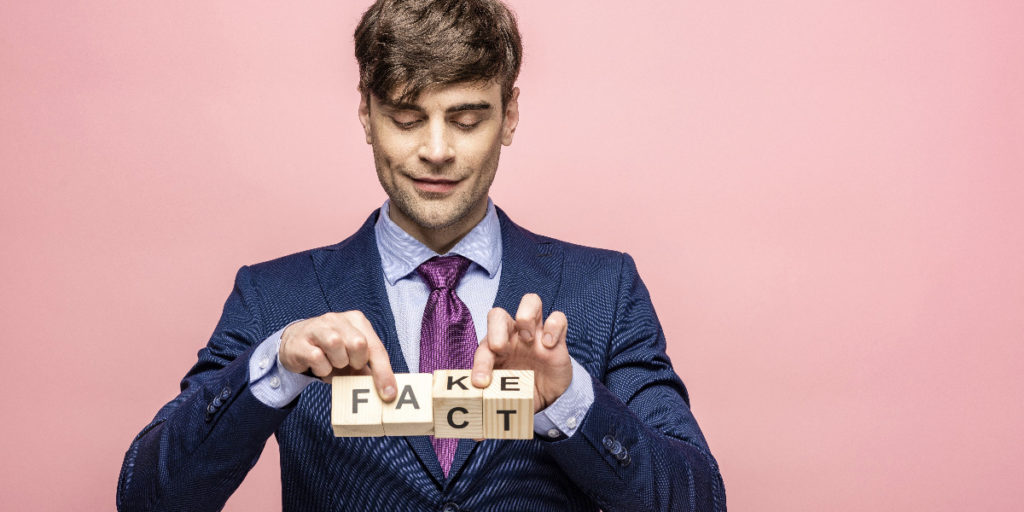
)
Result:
{"points": [[270, 382], [565, 414]]}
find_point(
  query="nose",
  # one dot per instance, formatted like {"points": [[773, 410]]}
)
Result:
{"points": [[436, 147]]}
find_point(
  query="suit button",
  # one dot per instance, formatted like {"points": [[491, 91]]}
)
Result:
{"points": [[615, 448], [608, 442], [211, 409], [225, 393], [622, 455], [450, 507]]}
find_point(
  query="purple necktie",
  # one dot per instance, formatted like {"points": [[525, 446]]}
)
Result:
{"points": [[447, 338]]}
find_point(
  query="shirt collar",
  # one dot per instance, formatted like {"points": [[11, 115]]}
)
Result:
{"points": [[400, 253]]}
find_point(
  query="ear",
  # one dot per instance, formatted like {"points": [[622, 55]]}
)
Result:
{"points": [[511, 118], [364, 115]]}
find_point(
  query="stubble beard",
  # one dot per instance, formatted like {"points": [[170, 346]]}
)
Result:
{"points": [[406, 199], [434, 214]]}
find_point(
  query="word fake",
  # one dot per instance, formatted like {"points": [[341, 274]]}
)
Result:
{"points": [[443, 404]]}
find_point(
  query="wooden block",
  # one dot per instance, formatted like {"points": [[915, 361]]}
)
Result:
{"points": [[458, 405], [355, 407], [412, 413], [508, 405]]}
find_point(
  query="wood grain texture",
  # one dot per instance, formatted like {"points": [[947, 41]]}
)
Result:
{"points": [[355, 407], [412, 411], [458, 405], [508, 405]]}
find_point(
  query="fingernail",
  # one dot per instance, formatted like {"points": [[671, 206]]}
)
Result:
{"points": [[389, 391], [479, 378], [549, 340], [526, 335]]}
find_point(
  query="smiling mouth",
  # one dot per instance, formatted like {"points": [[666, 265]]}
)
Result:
{"points": [[434, 186]]}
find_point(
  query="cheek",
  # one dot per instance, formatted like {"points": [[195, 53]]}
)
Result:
{"points": [[482, 154], [389, 155]]}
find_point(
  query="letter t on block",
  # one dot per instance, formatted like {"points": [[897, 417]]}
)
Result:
{"points": [[508, 405], [355, 407], [457, 405]]}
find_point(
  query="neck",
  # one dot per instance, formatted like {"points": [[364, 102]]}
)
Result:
{"points": [[439, 240]]}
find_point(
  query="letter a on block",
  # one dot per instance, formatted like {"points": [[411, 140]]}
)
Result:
{"points": [[508, 405], [457, 405], [355, 407], [412, 413]]}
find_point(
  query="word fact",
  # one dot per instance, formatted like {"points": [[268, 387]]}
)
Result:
{"points": [[444, 404]]}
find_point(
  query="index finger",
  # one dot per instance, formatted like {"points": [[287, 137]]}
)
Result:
{"points": [[378, 361], [380, 368]]}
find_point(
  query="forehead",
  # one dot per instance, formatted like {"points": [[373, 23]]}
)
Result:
{"points": [[450, 96]]}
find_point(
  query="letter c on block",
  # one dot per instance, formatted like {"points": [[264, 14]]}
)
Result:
{"points": [[451, 420]]}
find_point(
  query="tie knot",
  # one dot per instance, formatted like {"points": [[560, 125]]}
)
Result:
{"points": [[442, 272]]}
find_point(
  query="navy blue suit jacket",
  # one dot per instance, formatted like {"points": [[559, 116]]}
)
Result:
{"points": [[638, 448]]}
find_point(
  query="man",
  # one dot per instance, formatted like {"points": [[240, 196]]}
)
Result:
{"points": [[428, 283]]}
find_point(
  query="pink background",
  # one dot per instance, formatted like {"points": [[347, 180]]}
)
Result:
{"points": [[825, 199]]}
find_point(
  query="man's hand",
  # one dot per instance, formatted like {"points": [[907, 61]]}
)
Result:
{"points": [[527, 343], [338, 344]]}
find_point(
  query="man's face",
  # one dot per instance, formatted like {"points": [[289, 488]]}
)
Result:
{"points": [[436, 157]]}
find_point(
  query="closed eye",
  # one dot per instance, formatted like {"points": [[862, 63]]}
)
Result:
{"points": [[406, 125]]}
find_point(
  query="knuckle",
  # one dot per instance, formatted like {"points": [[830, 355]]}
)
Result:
{"points": [[497, 342], [558, 318], [354, 316], [377, 351], [340, 360], [357, 342], [331, 339]]}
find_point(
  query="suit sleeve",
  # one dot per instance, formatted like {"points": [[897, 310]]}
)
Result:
{"points": [[639, 446], [200, 446]]}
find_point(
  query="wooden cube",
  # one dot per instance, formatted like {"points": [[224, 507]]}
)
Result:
{"points": [[508, 405], [355, 407], [412, 412], [458, 405]]}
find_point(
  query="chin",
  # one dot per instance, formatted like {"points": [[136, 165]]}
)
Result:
{"points": [[437, 222]]}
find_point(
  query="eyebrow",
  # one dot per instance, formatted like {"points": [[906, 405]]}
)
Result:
{"points": [[481, 105]]}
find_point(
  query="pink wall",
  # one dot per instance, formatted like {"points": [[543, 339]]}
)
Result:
{"points": [[832, 196]]}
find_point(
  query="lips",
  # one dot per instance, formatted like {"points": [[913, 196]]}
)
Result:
{"points": [[434, 185]]}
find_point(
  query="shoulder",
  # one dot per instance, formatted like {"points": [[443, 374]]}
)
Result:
{"points": [[581, 259], [303, 263]]}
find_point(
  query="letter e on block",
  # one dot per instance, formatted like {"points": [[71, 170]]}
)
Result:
{"points": [[355, 407], [458, 405], [508, 405], [412, 412]]}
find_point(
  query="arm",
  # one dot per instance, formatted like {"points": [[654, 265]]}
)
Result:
{"points": [[200, 446], [639, 446]]}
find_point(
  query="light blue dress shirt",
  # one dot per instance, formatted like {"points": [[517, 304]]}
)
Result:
{"points": [[400, 254]]}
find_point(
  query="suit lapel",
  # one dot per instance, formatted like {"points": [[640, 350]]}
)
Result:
{"points": [[529, 264], [351, 278]]}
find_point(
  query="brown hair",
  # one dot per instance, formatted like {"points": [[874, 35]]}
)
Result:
{"points": [[406, 46]]}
